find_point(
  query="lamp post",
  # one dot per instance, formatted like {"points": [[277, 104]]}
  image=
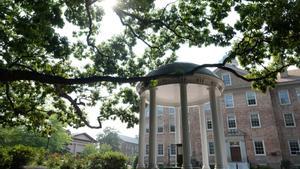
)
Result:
{"points": [[48, 140]]}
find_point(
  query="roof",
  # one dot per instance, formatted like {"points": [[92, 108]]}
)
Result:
{"points": [[129, 139], [293, 75], [179, 68], [84, 134]]}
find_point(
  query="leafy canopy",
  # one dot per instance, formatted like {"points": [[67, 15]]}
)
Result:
{"points": [[109, 139], [38, 78]]}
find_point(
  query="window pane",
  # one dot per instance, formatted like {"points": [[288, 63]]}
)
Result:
{"points": [[209, 124], [206, 107], [255, 120], [160, 149], [294, 147], [284, 97], [298, 93], [259, 148], [251, 98], [147, 149], [211, 148], [226, 79], [231, 122], [173, 149], [172, 122], [289, 119], [159, 110], [228, 99]]}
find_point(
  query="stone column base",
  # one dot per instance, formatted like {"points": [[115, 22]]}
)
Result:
{"points": [[140, 166]]}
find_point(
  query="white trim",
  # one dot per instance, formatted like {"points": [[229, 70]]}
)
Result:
{"points": [[211, 141], [162, 149], [258, 120], [228, 115], [230, 82], [209, 119], [171, 151], [229, 94], [254, 97], [288, 95], [254, 148], [293, 120], [297, 89], [290, 147]]}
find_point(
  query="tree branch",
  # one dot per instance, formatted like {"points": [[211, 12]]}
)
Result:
{"points": [[78, 111]]}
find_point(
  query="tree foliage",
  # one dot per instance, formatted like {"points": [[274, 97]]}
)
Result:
{"points": [[109, 137], [55, 141], [38, 77]]}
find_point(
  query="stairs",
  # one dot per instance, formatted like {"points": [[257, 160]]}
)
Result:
{"points": [[238, 165]]}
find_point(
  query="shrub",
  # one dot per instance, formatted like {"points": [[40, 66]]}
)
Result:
{"points": [[108, 160], [135, 162], [54, 161], [5, 158], [21, 155]]}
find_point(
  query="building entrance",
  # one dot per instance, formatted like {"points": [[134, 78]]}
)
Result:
{"points": [[235, 152]]}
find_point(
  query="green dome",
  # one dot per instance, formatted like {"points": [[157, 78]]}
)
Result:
{"points": [[179, 68]]}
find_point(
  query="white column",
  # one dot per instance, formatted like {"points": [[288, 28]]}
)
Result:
{"points": [[178, 139], [219, 141], [204, 144], [153, 130], [140, 164], [186, 144]]}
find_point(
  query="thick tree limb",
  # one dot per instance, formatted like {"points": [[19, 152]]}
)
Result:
{"points": [[17, 75], [75, 105]]}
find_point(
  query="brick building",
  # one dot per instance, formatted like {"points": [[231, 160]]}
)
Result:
{"points": [[128, 145], [260, 128]]}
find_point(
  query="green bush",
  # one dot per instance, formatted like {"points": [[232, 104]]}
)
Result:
{"points": [[5, 158], [108, 160], [21, 155]]}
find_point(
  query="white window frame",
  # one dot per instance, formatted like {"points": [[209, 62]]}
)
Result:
{"points": [[291, 149], [162, 150], [225, 74], [247, 99], [174, 115], [264, 148], [160, 116], [171, 150], [288, 96], [231, 115], [294, 121], [229, 94], [258, 120], [207, 120], [147, 145], [211, 142], [298, 93]]}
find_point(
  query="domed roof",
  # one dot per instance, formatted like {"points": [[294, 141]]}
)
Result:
{"points": [[180, 68]]}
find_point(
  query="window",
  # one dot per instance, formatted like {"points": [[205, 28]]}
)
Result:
{"points": [[226, 79], [160, 119], [172, 110], [298, 93], [228, 99], [251, 98], [209, 124], [173, 149], [231, 122], [206, 107], [172, 128], [294, 147], [160, 149], [147, 125], [159, 110], [259, 148], [255, 122], [172, 120], [289, 120], [284, 97], [147, 111], [147, 149], [211, 148]]}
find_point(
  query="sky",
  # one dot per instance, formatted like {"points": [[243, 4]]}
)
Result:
{"points": [[110, 26]]}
